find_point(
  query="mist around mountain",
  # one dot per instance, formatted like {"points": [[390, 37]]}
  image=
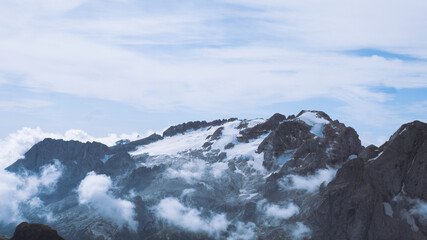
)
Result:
{"points": [[286, 177]]}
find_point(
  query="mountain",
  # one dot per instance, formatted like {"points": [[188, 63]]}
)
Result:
{"points": [[296, 177]]}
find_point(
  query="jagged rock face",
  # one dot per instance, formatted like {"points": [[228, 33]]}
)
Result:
{"points": [[238, 179], [33, 231], [70, 152], [370, 197], [182, 128], [288, 136], [117, 164], [403, 159], [260, 129], [331, 145]]}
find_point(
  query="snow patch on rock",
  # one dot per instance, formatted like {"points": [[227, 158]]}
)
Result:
{"points": [[176, 144], [316, 122]]}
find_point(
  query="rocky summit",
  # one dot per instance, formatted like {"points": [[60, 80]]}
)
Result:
{"points": [[301, 176]]}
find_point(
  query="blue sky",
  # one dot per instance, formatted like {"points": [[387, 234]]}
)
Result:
{"points": [[125, 66]]}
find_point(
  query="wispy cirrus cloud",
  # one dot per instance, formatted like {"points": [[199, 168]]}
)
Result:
{"points": [[24, 104], [219, 56]]}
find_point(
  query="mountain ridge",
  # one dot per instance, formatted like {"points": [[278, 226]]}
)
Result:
{"points": [[263, 179]]}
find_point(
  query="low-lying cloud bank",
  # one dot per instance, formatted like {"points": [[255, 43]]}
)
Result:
{"points": [[191, 171], [281, 212], [420, 209], [300, 231], [19, 191], [244, 231], [94, 191], [174, 212], [276, 214], [309, 183], [195, 170], [190, 219]]}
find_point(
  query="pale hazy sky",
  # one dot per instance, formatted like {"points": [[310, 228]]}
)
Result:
{"points": [[124, 66]]}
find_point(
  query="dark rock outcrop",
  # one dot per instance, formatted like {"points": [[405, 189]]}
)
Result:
{"points": [[140, 178], [34, 231], [260, 129], [371, 196], [306, 151], [131, 146], [217, 134], [287, 136], [402, 163], [181, 128], [85, 155], [370, 152], [118, 164]]}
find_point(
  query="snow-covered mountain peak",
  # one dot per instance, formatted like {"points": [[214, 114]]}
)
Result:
{"points": [[218, 143], [231, 179]]}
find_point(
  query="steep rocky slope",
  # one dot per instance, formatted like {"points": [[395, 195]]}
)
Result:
{"points": [[377, 196], [295, 177]]}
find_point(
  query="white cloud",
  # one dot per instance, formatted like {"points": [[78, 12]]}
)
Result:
{"points": [[300, 231], [194, 170], [309, 183], [368, 138], [50, 175], [149, 84], [32, 8], [94, 191], [176, 144], [420, 209], [319, 25], [295, 48], [244, 231], [35, 202], [218, 169], [18, 190], [16, 144], [25, 104], [110, 140], [191, 171], [419, 108], [281, 212], [190, 219], [187, 192]]}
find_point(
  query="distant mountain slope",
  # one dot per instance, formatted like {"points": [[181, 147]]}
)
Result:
{"points": [[297, 177]]}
